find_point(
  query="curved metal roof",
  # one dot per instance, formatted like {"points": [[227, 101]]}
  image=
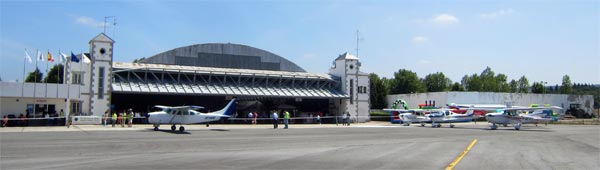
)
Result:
{"points": [[221, 55]]}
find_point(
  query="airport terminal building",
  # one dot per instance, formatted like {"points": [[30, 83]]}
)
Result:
{"points": [[203, 74]]}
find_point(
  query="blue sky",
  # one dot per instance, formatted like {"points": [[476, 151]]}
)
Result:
{"points": [[542, 40]]}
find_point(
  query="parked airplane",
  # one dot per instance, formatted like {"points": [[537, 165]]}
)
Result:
{"points": [[512, 116], [408, 116], [187, 115], [439, 116]]}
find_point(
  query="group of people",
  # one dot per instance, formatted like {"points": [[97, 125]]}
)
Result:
{"points": [[286, 119], [126, 117]]}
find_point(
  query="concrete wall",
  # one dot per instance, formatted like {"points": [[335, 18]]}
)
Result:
{"points": [[14, 97], [515, 99]]}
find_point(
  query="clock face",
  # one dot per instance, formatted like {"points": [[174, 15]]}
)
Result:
{"points": [[102, 51], [351, 66]]}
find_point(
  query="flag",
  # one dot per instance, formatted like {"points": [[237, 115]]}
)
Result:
{"points": [[85, 58], [27, 56], [50, 58], [74, 58], [63, 57], [39, 56]]}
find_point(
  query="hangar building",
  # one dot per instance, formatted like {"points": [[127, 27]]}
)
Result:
{"points": [[202, 74]]}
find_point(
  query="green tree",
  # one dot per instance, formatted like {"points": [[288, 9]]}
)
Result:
{"points": [[538, 87], [35, 76], [567, 87], [523, 85], [474, 83], [406, 81], [514, 86], [488, 80], [378, 92], [503, 85], [457, 87], [55, 75], [437, 82]]}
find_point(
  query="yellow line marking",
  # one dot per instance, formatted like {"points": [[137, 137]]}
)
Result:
{"points": [[455, 162]]}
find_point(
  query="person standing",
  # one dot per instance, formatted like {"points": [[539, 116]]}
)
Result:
{"points": [[348, 118], [114, 119], [319, 119], [130, 118], [105, 119], [123, 118], [4, 121], [250, 115], [286, 116], [343, 119], [254, 118], [275, 120]]}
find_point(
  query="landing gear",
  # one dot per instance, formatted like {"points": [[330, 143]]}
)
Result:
{"points": [[422, 124], [518, 126], [504, 125], [207, 124], [493, 127], [156, 127], [451, 126], [181, 129], [173, 128]]}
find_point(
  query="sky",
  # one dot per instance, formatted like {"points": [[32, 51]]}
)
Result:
{"points": [[541, 40]]}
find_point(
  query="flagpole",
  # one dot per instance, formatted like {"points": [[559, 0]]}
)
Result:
{"points": [[58, 73], [46, 81], [23, 87], [35, 82]]}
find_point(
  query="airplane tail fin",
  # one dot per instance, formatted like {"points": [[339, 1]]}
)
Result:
{"points": [[229, 109]]}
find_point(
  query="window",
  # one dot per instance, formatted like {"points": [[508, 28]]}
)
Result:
{"points": [[76, 78], [351, 91], [75, 107], [101, 83]]}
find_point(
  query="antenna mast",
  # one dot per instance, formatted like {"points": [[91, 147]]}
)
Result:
{"points": [[106, 18], [357, 38]]}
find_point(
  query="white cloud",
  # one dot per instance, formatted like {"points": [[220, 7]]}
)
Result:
{"points": [[496, 14], [88, 21], [445, 19], [419, 39]]}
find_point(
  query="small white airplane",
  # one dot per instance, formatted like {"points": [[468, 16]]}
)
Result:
{"points": [[188, 115], [514, 117], [439, 116], [407, 116]]}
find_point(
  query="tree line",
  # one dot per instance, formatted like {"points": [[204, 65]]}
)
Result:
{"points": [[405, 81]]}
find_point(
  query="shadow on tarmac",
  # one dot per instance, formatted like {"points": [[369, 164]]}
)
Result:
{"points": [[171, 131]]}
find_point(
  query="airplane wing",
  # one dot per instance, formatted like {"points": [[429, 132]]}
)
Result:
{"points": [[168, 109]]}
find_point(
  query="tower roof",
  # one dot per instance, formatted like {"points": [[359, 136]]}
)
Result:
{"points": [[347, 56]]}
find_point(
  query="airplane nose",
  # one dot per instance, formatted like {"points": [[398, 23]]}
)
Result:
{"points": [[489, 115]]}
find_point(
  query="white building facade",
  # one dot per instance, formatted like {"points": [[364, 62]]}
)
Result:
{"points": [[355, 84], [85, 91]]}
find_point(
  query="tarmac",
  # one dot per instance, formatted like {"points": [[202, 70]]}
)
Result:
{"points": [[373, 145]]}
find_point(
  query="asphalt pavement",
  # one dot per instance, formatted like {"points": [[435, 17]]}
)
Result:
{"points": [[360, 146]]}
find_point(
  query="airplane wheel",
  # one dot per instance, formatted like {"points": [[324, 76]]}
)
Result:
{"points": [[451, 126], [207, 125], [517, 126], [181, 129], [155, 128], [439, 125], [422, 124], [173, 128], [504, 125], [493, 127]]}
